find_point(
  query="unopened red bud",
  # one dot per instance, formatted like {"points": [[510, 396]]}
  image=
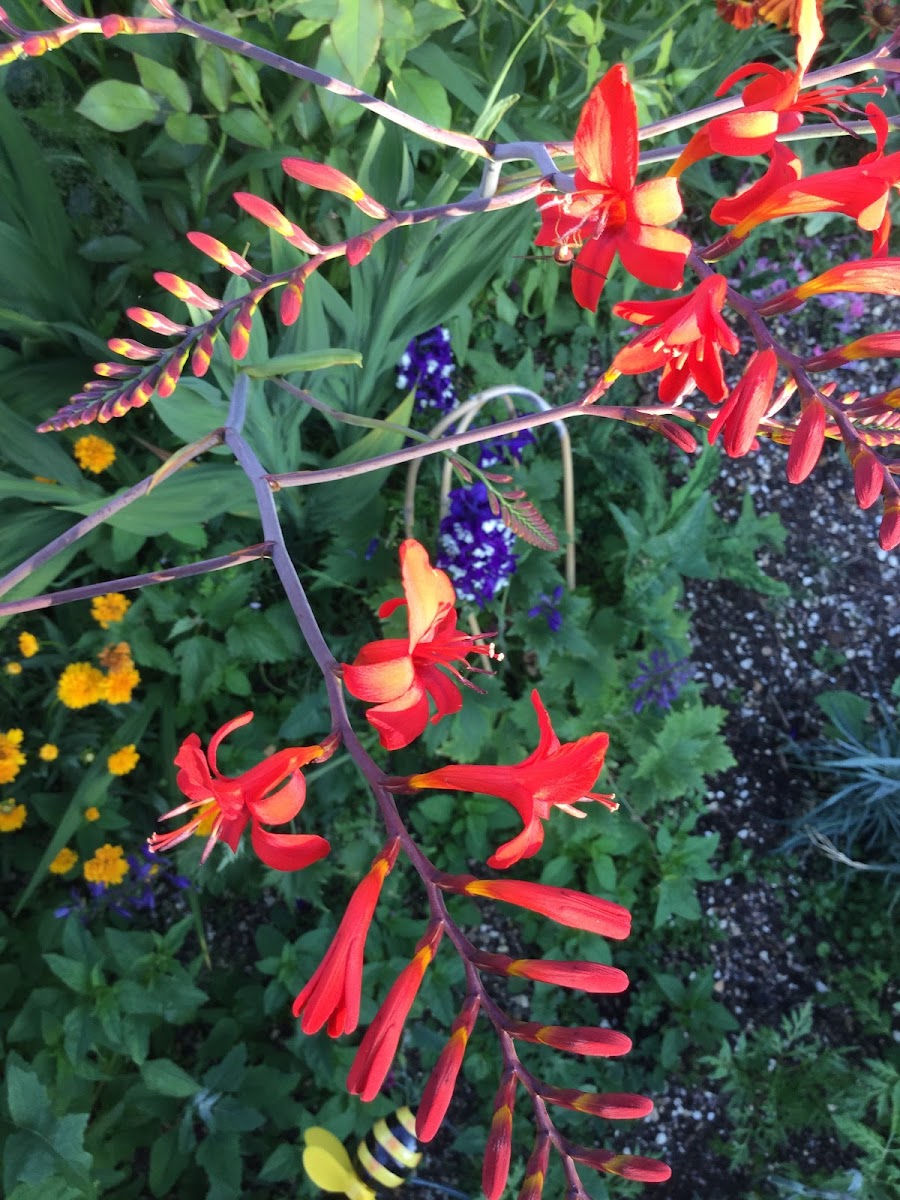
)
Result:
{"points": [[889, 532], [442, 1081], [499, 1144], [584, 1039], [626, 1166], [291, 303], [614, 1106], [807, 442], [536, 1170], [359, 248], [868, 476]]}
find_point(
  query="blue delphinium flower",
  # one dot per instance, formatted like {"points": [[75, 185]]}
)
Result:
{"points": [[660, 680], [548, 606], [475, 546], [428, 362]]}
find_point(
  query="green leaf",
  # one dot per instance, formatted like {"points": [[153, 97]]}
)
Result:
{"points": [[117, 106], [245, 126], [285, 1162], [422, 96], [168, 1079], [219, 1155], [47, 1144], [75, 975], [165, 82], [187, 129], [356, 35], [305, 360]]}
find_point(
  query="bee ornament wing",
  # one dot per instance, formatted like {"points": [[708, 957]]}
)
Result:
{"points": [[328, 1165]]}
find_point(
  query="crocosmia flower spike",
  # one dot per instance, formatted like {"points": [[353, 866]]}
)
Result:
{"points": [[609, 212], [398, 675], [270, 793], [552, 776]]}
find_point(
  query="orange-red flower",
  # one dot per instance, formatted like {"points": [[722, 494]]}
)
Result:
{"points": [[585, 1039], [626, 1166], [379, 1045], [552, 776], [442, 1081], [398, 675], [232, 802], [577, 910], [588, 976], [610, 213], [333, 993], [691, 332], [614, 1106], [740, 415]]}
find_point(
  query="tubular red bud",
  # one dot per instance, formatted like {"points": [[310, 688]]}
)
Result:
{"points": [[626, 1166], [868, 476], [614, 1106], [219, 253], [499, 1144], [536, 1170], [442, 1080], [596, 978], [359, 248], [889, 531], [583, 1039], [291, 302], [742, 412], [577, 910], [807, 442], [202, 356]]}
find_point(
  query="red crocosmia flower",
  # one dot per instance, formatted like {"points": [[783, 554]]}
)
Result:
{"points": [[578, 910], [806, 442], [398, 675], [498, 1148], [610, 213], [379, 1045], [333, 993], [232, 802], [740, 415], [587, 1039], [442, 1081], [784, 168], [627, 1166], [614, 1106], [552, 776], [880, 276], [686, 344], [588, 976]]}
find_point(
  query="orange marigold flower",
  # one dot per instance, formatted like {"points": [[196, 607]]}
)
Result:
{"points": [[28, 645], [552, 776], [64, 861], [94, 453], [120, 684], [333, 993], [116, 657], [11, 757], [12, 815], [123, 761], [687, 336], [92, 813], [397, 675], [380, 1041], [48, 752], [609, 213], [248, 797], [81, 684], [108, 866], [109, 609]]}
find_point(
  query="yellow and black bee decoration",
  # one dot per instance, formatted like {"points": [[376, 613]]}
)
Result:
{"points": [[385, 1158]]}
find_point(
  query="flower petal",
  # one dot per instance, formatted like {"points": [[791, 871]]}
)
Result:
{"points": [[590, 269], [657, 202], [606, 142], [429, 592], [288, 851], [216, 740], [283, 805], [382, 671]]}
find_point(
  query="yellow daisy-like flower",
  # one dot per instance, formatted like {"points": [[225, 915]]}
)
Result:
{"points": [[28, 645], [94, 453], [116, 657], [120, 684], [12, 816], [120, 762], [48, 752], [64, 861], [11, 757], [81, 684], [13, 668], [107, 610], [92, 813], [108, 866]]}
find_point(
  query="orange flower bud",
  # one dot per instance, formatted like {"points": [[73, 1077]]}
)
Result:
{"points": [[202, 356], [239, 341], [154, 320], [499, 1143], [889, 532], [330, 179], [536, 1170], [868, 475], [748, 403], [596, 978], [578, 910], [584, 1039], [614, 1106], [291, 301], [186, 291], [219, 253], [626, 1166], [807, 442], [275, 219], [442, 1080]]}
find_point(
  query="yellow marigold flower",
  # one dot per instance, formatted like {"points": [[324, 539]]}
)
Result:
{"points": [[92, 813], [13, 668], [116, 657], [81, 684], [48, 752], [120, 684], [12, 816], [94, 453], [108, 866], [11, 757], [120, 762], [107, 610], [28, 645], [64, 861]]}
